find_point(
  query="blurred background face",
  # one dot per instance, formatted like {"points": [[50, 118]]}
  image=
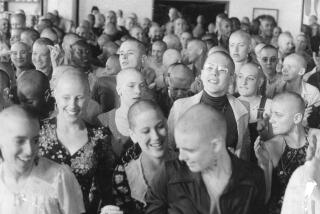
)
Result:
{"points": [[83, 32], [137, 33], [4, 25], [19, 144], [20, 55], [150, 131], [157, 52], [286, 45], [16, 22], [290, 69], [225, 28], [131, 89], [180, 26], [111, 18], [178, 86], [15, 36], [71, 97], [193, 51], [30, 96], [239, 48], [80, 55], [41, 57], [155, 33], [129, 24], [248, 82], [276, 31], [184, 39], [301, 43], [266, 27], [268, 60]]}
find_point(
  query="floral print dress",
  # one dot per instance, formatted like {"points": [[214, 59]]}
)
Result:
{"points": [[92, 164]]}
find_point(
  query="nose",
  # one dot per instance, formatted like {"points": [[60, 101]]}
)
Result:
{"points": [[72, 102], [137, 89], [124, 56], [28, 148], [271, 119], [154, 135], [182, 156]]}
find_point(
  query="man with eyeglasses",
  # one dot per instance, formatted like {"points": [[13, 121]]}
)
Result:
{"points": [[268, 59], [216, 76], [178, 80]]}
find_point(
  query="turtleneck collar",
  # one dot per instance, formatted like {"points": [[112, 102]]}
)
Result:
{"points": [[219, 103]]}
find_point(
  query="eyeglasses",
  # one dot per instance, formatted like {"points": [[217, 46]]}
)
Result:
{"points": [[270, 60], [213, 67]]}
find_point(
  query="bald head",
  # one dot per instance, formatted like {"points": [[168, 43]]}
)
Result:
{"points": [[68, 40], [202, 120], [123, 74], [285, 42], [181, 72], [139, 107], [242, 35], [16, 114], [171, 56], [73, 75], [299, 59], [172, 41], [292, 99]]}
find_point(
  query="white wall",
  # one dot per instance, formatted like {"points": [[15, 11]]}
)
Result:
{"points": [[66, 8], [29, 7], [290, 11], [143, 8]]}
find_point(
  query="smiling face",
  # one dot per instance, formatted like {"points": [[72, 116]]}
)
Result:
{"points": [[216, 74], [131, 86], [266, 27], [20, 55], [19, 143], [71, 94], [150, 131], [41, 57]]}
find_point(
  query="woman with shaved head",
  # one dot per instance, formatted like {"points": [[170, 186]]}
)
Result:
{"points": [[68, 139], [148, 129], [281, 155]]}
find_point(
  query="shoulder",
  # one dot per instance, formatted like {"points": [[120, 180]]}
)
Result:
{"points": [[310, 88], [48, 170], [188, 100], [105, 117]]}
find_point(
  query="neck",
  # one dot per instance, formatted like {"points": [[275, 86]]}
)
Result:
{"points": [[270, 76], [294, 85], [123, 109], [216, 94], [9, 176], [66, 125], [220, 168], [296, 138], [150, 162], [249, 99]]}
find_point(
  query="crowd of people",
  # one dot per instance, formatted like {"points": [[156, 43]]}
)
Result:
{"points": [[120, 116]]}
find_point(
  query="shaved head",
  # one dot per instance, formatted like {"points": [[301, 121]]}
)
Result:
{"points": [[242, 34], [299, 59], [202, 120], [292, 99], [139, 107], [171, 56], [123, 74], [16, 113]]}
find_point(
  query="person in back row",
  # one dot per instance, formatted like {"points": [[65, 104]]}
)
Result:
{"points": [[216, 77], [206, 178]]}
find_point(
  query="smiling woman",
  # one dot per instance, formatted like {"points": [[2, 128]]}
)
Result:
{"points": [[67, 139]]}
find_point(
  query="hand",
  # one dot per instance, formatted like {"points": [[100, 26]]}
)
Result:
{"points": [[261, 152], [55, 54], [111, 209], [307, 113]]}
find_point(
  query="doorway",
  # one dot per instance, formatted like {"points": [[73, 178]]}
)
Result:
{"points": [[189, 10]]}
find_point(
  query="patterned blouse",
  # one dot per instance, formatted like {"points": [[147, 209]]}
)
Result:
{"points": [[92, 164]]}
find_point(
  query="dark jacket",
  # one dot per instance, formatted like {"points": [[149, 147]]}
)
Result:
{"points": [[177, 190]]}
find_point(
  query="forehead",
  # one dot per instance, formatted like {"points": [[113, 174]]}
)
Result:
{"points": [[239, 38], [218, 59], [131, 76], [68, 83], [129, 46], [293, 61], [266, 21], [249, 70], [268, 52], [19, 46], [40, 47], [19, 126]]}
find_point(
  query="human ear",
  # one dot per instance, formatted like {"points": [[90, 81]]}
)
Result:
{"points": [[302, 71], [297, 118], [216, 144], [133, 136]]}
